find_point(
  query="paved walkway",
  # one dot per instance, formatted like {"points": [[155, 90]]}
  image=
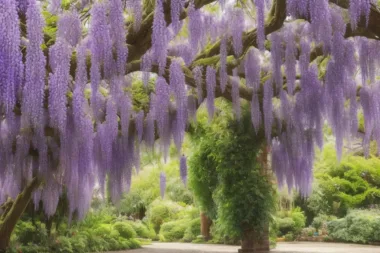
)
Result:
{"points": [[296, 247]]}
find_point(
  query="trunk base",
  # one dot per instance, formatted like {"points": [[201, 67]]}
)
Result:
{"points": [[246, 251]]}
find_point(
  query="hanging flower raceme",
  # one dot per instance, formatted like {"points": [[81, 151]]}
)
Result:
{"points": [[260, 8], [118, 35], [125, 108], [195, 26], [11, 66], [54, 6], [139, 123], [70, 27], [159, 37], [211, 84], [176, 7], [136, 6], [359, 9], [59, 60], [290, 60], [146, 67], [197, 73], [252, 69], [162, 113], [178, 87], [183, 169], [33, 93]]}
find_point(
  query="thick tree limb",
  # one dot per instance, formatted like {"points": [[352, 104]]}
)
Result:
{"points": [[8, 223]]}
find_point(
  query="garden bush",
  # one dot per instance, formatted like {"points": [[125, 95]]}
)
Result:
{"points": [[125, 230], [193, 230], [62, 244], [162, 211], [173, 230], [28, 233], [359, 226]]}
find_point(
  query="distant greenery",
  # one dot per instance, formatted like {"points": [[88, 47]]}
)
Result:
{"points": [[99, 231], [359, 226], [339, 187]]}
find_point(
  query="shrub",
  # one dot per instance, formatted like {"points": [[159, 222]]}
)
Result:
{"points": [[79, 244], [162, 211], [285, 225], [193, 230], [173, 230], [125, 230], [289, 237], [62, 244], [359, 226], [28, 233], [142, 230]]}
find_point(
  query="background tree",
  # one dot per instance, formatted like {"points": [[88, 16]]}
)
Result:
{"points": [[68, 116]]}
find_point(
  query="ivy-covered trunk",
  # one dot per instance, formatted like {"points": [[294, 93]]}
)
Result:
{"points": [[12, 211]]}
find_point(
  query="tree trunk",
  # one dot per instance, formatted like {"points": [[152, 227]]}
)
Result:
{"points": [[10, 217], [253, 242], [247, 242], [205, 226]]}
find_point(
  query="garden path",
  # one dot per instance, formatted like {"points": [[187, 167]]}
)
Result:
{"points": [[296, 247]]}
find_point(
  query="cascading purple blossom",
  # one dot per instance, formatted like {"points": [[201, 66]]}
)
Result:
{"points": [[237, 28], [139, 122], [176, 7], [252, 70], [118, 34], [260, 8], [183, 169], [159, 37], [59, 55], [195, 26], [70, 28], [162, 113], [211, 84], [33, 93], [178, 87], [11, 66], [198, 73], [290, 60]]}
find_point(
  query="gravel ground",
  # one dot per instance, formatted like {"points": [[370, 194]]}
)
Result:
{"points": [[296, 247]]}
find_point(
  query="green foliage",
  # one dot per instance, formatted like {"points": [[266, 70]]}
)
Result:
{"points": [[227, 179], [289, 237], [162, 211], [125, 230], [27, 233], [291, 222], [62, 244], [142, 230], [173, 230], [352, 183], [359, 226], [193, 230]]}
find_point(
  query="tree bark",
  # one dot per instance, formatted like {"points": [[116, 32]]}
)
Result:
{"points": [[9, 221], [205, 226], [255, 242]]}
